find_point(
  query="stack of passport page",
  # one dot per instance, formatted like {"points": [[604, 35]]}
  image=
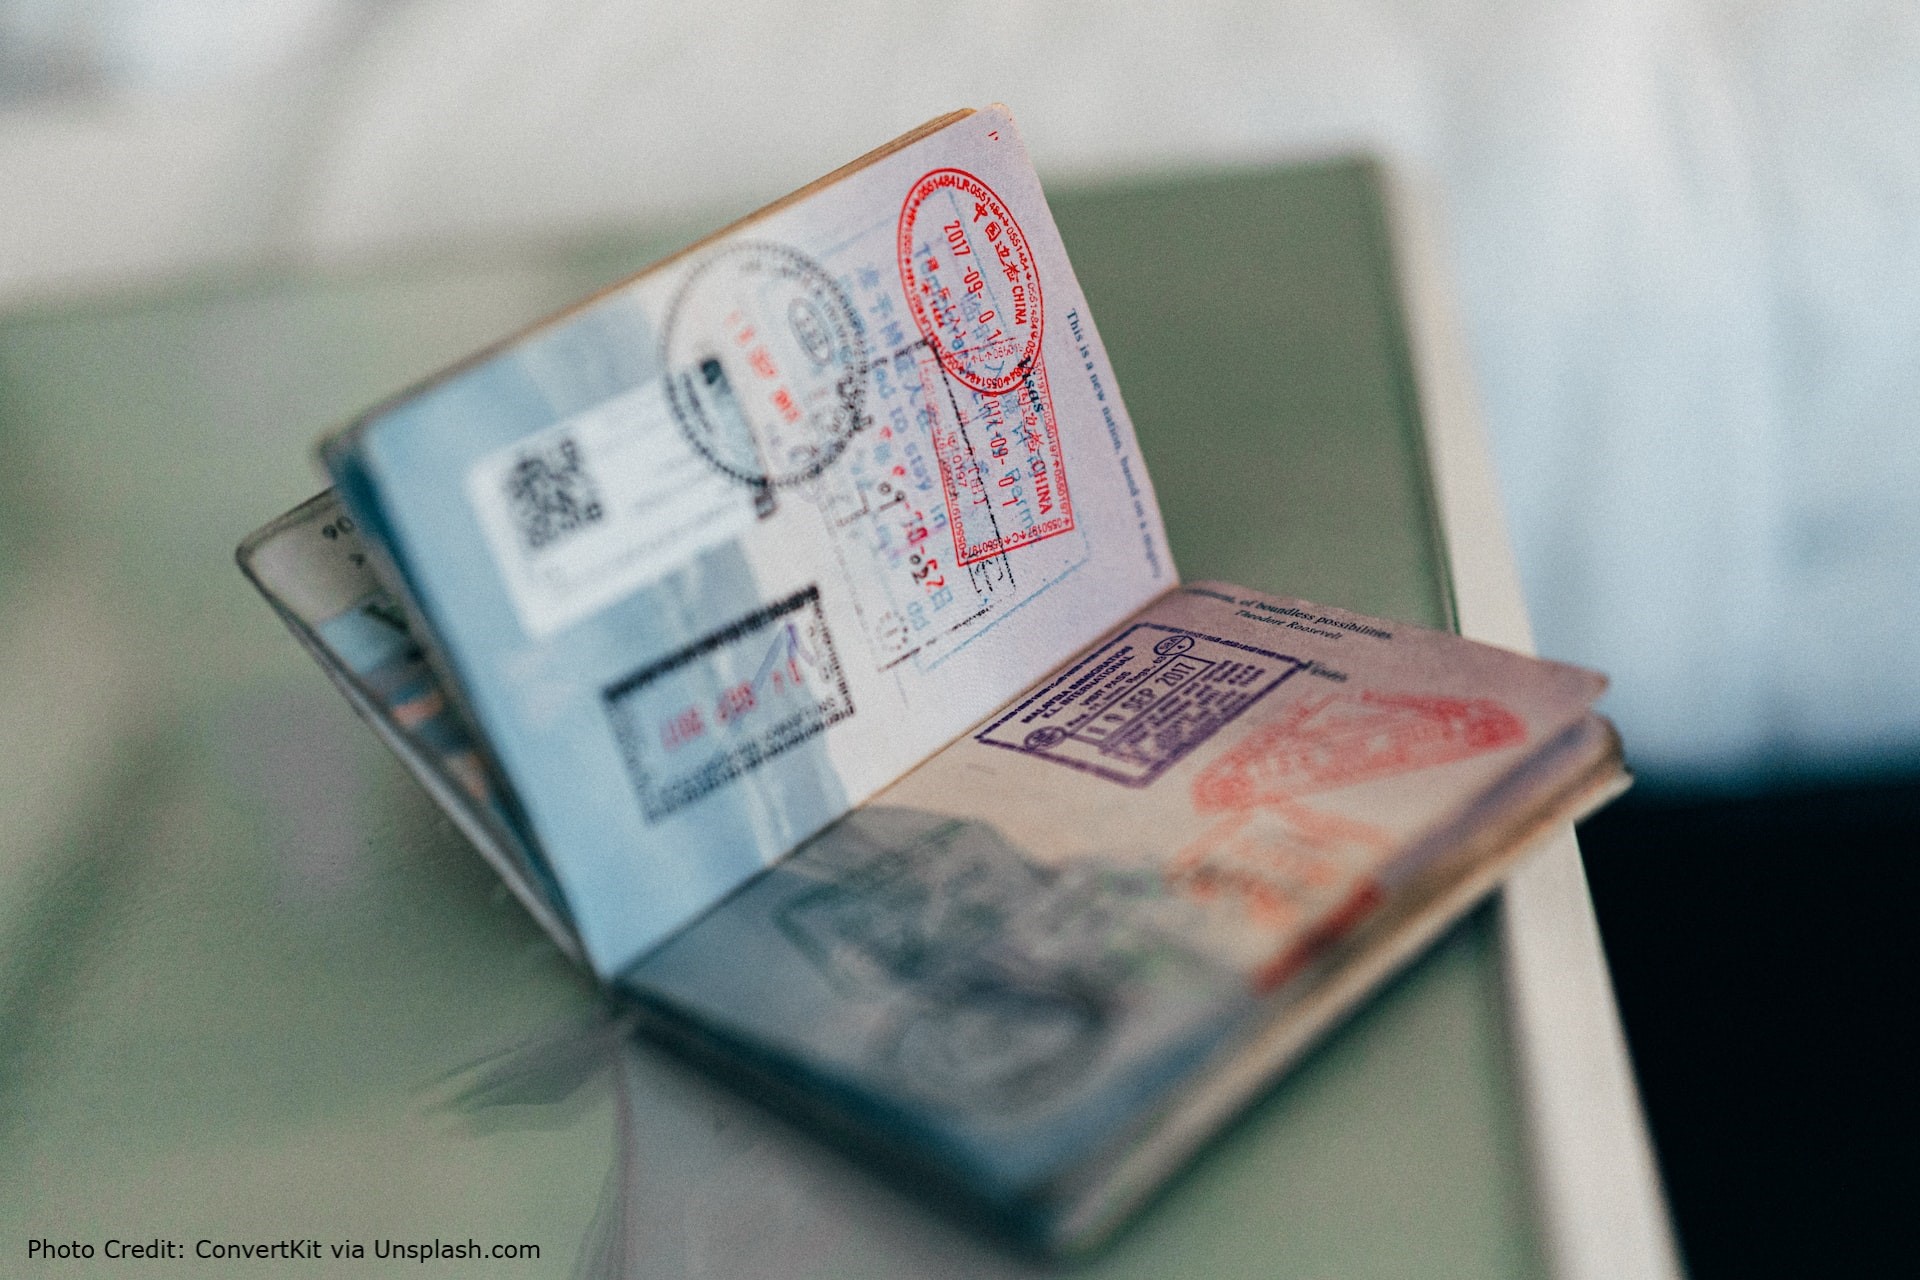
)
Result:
{"points": [[793, 628]]}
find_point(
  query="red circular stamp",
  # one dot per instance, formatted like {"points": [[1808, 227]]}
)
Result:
{"points": [[970, 280]]}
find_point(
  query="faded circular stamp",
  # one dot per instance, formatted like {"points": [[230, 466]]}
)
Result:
{"points": [[766, 363], [970, 280]]}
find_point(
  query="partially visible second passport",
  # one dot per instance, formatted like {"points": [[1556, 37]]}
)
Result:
{"points": [[793, 628]]}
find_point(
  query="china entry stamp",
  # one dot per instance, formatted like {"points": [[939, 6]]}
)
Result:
{"points": [[970, 280], [973, 291]]}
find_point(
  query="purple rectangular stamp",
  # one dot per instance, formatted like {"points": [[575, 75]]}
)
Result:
{"points": [[1132, 708]]}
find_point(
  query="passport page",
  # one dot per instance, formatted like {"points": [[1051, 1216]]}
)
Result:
{"points": [[313, 569], [728, 548], [1042, 968]]}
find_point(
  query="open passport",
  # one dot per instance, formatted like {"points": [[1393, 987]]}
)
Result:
{"points": [[793, 628]]}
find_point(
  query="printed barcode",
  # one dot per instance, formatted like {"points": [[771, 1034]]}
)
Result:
{"points": [[551, 494]]}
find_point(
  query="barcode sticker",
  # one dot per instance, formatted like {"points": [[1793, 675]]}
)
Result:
{"points": [[593, 508], [550, 494]]}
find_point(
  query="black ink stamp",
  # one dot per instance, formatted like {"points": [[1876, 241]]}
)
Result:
{"points": [[766, 364], [726, 704]]}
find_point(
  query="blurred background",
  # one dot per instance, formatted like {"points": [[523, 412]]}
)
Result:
{"points": [[1684, 238]]}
